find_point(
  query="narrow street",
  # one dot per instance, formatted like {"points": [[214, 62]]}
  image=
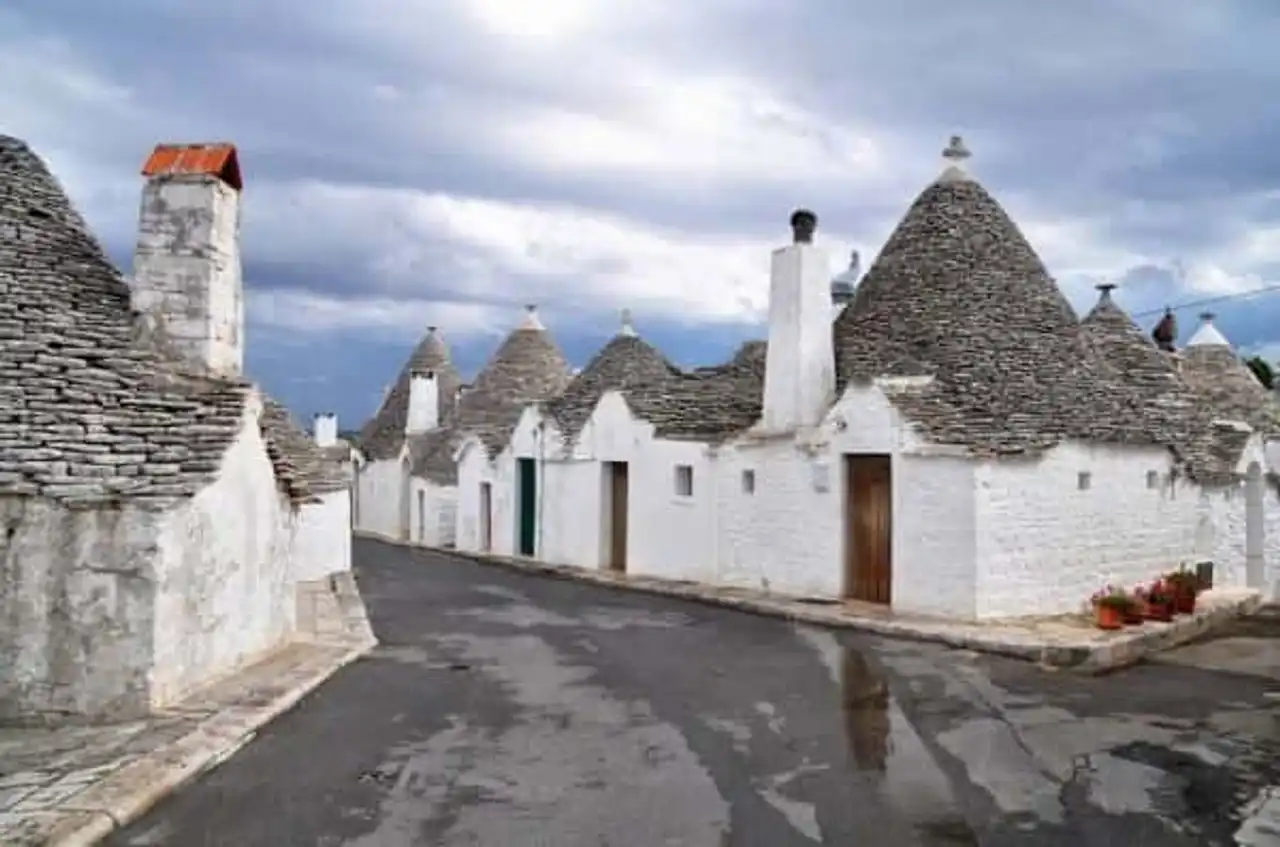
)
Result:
{"points": [[503, 710]]}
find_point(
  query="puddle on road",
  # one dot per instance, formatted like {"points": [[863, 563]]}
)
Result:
{"points": [[885, 748], [864, 701]]}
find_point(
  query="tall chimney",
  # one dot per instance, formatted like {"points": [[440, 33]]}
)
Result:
{"points": [[799, 378], [423, 414], [186, 266], [325, 429]]}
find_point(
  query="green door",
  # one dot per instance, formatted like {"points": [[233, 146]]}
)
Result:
{"points": [[527, 500]]}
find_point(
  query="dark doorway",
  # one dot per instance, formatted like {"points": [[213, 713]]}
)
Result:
{"points": [[615, 515], [527, 507]]}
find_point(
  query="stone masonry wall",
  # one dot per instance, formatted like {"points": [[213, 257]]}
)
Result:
{"points": [[187, 273]]}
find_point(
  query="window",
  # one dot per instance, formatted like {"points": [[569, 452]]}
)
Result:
{"points": [[1153, 479], [684, 480], [1084, 479], [748, 482]]}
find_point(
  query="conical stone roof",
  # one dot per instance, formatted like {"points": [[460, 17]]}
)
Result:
{"points": [[625, 362], [1225, 384], [527, 368], [959, 293], [383, 435], [1123, 346]]}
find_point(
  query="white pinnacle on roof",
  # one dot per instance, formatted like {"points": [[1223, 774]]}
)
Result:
{"points": [[531, 318], [627, 328], [1208, 335], [954, 157]]}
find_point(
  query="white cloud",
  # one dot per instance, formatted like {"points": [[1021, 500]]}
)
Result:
{"points": [[303, 312], [499, 252], [725, 129]]}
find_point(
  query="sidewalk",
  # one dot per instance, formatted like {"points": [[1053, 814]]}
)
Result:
{"points": [[71, 786], [1066, 642]]}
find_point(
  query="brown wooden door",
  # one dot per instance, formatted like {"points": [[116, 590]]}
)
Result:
{"points": [[486, 517], [869, 529], [618, 515]]}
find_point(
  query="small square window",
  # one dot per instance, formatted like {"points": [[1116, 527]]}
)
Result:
{"points": [[684, 480], [1153, 479], [1084, 480], [748, 482]]}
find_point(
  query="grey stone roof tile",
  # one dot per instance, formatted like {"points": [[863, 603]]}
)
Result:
{"points": [[303, 469], [91, 413], [710, 404], [626, 361]]}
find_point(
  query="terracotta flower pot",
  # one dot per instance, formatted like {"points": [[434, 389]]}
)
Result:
{"points": [[1108, 616], [1158, 611], [1187, 602], [1133, 615]]}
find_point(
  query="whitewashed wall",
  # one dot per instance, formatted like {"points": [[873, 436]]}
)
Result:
{"points": [[381, 493], [321, 543], [224, 581], [1054, 530], [433, 513], [789, 536], [971, 538]]}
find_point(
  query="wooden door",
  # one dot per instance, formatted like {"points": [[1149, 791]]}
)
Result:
{"points": [[618, 515], [868, 529], [527, 502], [486, 517]]}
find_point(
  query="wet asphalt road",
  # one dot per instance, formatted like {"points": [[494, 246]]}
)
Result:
{"points": [[503, 709]]}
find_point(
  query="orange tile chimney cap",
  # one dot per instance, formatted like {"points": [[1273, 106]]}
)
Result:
{"points": [[216, 159]]}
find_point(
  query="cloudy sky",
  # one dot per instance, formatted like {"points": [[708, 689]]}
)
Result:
{"points": [[416, 162]]}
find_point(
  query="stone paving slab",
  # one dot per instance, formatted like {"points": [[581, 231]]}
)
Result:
{"points": [[1065, 642], [73, 785]]}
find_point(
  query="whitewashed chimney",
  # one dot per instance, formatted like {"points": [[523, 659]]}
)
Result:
{"points": [[424, 403], [800, 371], [325, 429], [186, 266]]}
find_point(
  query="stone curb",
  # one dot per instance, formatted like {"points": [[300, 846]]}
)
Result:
{"points": [[129, 793], [1114, 654]]}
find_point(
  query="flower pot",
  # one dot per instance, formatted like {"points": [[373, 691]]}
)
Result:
{"points": [[1109, 617], [1133, 615], [1187, 602], [1158, 611]]}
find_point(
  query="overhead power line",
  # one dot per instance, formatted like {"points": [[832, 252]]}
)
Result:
{"points": [[1207, 301]]}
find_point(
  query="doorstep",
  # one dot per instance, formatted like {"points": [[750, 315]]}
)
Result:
{"points": [[1065, 642], [71, 786]]}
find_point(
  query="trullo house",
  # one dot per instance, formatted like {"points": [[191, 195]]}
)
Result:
{"points": [[163, 520], [406, 476], [956, 442]]}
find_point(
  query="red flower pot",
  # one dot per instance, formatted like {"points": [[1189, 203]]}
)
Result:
{"points": [[1187, 602], [1109, 617], [1133, 615], [1158, 611]]}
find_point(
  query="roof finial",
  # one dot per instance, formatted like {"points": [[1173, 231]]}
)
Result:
{"points": [[432, 329], [531, 318], [1207, 317], [1104, 291], [956, 151], [803, 224], [627, 328], [954, 157]]}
